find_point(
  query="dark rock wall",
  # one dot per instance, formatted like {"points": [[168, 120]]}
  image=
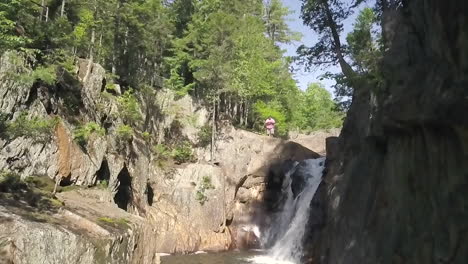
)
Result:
{"points": [[398, 190]]}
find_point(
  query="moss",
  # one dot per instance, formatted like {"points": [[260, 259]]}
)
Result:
{"points": [[124, 132], [35, 191], [43, 183], [114, 222], [69, 188], [104, 184]]}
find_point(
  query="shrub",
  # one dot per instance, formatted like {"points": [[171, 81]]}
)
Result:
{"points": [[3, 124], [205, 185], [146, 136], [161, 152], [182, 153], [39, 129], [124, 132], [11, 182], [47, 74], [129, 107], [110, 87], [204, 136], [33, 190], [83, 133]]}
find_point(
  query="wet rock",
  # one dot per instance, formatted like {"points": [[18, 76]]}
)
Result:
{"points": [[299, 178]]}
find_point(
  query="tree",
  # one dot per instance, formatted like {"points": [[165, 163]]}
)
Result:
{"points": [[326, 18], [317, 110], [275, 22]]}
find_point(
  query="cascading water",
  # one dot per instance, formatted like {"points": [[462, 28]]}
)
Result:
{"points": [[290, 223]]}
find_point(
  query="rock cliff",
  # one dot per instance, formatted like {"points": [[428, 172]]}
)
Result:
{"points": [[118, 200], [397, 176]]}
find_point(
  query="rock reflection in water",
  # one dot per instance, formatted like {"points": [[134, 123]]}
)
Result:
{"points": [[211, 258]]}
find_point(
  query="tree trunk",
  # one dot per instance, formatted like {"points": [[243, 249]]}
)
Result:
{"points": [[247, 112], [345, 67], [62, 9], [213, 129], [42, 10], [47, 14], [234, 114], [241, 113], [91, 55]]}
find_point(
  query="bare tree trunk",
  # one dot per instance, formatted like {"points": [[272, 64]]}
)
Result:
{"points": [[47, 14], [235, 111], [62, 9], [247, 108], [91, 55], [241, 113], [229, 106], [42, 10], [57, 182], [213, 129]]}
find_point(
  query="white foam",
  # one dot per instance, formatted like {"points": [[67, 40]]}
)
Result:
{"points": [[267, 260], [252, 228]]}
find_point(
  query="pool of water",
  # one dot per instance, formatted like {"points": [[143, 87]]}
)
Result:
{"points": [[250, 257]]}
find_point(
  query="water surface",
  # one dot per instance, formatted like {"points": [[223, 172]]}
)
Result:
{"points": [[222, 258]]}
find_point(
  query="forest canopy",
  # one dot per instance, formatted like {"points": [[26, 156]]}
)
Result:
{"points": [[224, 53]]}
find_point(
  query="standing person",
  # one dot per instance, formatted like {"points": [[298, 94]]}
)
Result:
{"points": [[270, 126]]}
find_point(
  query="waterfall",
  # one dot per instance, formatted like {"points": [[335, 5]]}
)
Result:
{"points": [[287, 232]]}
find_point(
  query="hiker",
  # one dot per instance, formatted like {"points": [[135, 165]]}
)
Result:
{"points": [[270, 126]]}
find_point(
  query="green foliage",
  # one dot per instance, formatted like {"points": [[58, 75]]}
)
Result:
{"points": [[46, 74], [124, 132], [110, 87], [129, 107], [204, 135], [43, 183], [104, 184], [239, 59], [11, 182], [210, 49], [264, 111], [204, 186], [161, 152], [146, 136], [3, 124], [39, 129], [83, 133], [316, 110], [182, 153]]}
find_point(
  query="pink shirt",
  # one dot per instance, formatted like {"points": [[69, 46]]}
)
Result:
{"points": [[270, 123]]}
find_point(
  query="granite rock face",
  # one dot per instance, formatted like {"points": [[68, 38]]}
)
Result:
{"points": [[152, 208], [396, 185]]}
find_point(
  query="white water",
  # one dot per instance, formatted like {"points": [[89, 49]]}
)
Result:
{"points": [[290, 225]]}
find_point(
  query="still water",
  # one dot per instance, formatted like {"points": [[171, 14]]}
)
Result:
{"points": [[223, 258]]}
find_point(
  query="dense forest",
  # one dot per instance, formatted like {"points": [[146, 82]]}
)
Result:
{"points": [[224, 53]]}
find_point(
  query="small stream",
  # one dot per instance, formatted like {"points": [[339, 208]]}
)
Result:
{"points": [[283, 239]]}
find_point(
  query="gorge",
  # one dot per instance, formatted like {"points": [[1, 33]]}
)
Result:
{"points": [[85, 181]]}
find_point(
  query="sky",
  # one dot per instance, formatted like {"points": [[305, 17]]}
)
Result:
{"points": [[309, 38]]}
